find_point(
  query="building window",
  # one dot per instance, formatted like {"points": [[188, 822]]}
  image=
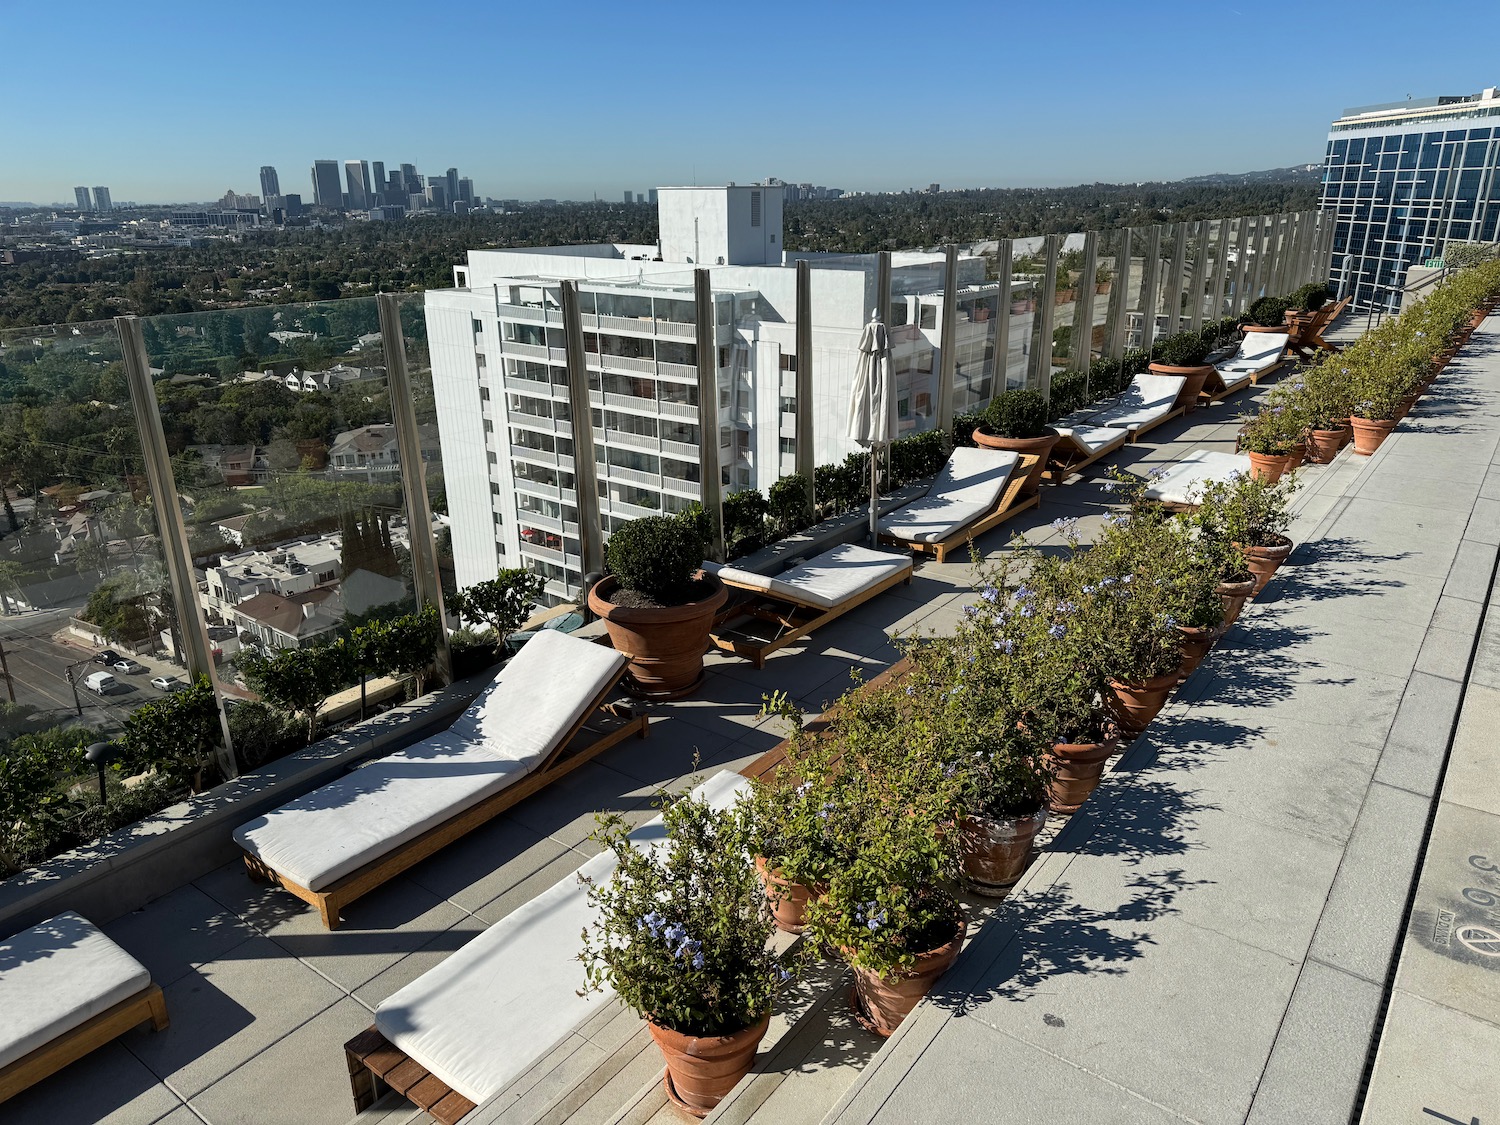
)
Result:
{"points": [[494, 488], [491, 458], [929, 316], [755, 208], [479, 359], [788, 362], [788, 446], [489, 427], [478, 324], [484, 394]]}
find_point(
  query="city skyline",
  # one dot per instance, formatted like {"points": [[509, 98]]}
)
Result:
{"points": [[1016, 120]]}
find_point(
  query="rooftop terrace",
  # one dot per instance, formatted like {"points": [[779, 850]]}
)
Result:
{"points": [[1225, 933]]}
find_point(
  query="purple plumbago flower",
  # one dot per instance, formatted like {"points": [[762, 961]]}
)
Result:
{"points": [[1126, 580], [697, 960], [1067, 609], [1057, 632], [1116, 519], [1156, 474], [652, 922], [1109, 485], [1028, 610], [1169, 621], [990, 594], [1064, 525], [1106, 582], [782, 975], [971, 611], [1023, 594], [1090, 589], [675, 933], [1006, 646]]}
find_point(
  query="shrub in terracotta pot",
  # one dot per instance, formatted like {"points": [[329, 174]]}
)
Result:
{"points": [[658, 605], [1016, 420], [1184, 354], [1266, 438], [1248, 516], [680, 933]]}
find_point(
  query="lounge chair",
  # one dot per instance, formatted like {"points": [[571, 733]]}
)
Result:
{"points": [[1181, 486], [1313, 337], [1079, 445], [465, 1029], [1149, 401], [1259, 354], [66, 989], [773, 611], [978, 489], [524, 731]]}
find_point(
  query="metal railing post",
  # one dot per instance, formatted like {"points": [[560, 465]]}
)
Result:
{"points": [[1241, 282], [1149, 287], [1200, 277], [949, 345], [177, 557], [427, 586], [1119, 297], [805, 456], [1083, 306], [580, 410], [1174, 286], [1221, 271], [1002, 323], [1040, 375], [708, 410], [1262, 237]]}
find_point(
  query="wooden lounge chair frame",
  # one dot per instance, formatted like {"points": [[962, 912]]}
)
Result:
{"points": [[564, 759], [1316, 341], [1305, 338], [793, 617], [1060, 468], [89, 1036], [375, 1063], [1010, 502], [1175, 412]]}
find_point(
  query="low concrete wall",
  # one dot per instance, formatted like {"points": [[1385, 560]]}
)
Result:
{"points": [[851, 527], [146, 860]]}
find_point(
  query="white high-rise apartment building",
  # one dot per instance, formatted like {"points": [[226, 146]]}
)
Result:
{"points": [[500, 376]]}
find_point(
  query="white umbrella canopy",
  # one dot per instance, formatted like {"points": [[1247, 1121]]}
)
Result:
{"points": [[872, 408]]}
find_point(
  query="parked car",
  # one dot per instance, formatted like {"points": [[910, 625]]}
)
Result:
{"points": [[221, 632], [128, 666], [100, 683], [106, 656], [167, 683]]}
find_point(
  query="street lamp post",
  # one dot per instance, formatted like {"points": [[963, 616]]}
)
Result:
{"points": [[99, 755]]}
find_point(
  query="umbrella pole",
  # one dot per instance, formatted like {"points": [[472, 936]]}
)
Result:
{"points": [[874, 497]]}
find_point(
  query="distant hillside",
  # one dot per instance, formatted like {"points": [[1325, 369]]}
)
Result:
{"points": [[1296, 174]]}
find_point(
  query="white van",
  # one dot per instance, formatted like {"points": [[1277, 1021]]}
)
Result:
{"points": [[100, 683]]}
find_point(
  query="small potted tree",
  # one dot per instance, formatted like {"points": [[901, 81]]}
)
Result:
{"points": [[1184, 354], [1250, 517], [658, 604], [1266, 442], [681, 934], [500, 604], [1016, 420]]}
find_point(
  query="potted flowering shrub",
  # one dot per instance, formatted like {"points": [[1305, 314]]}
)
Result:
{"points": [[1266, 440], [680, 934], [1184, 354], [1016, 420], [886, 907], [658, 605], [1248, 516]]}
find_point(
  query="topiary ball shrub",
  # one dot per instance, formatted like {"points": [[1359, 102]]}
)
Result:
{"points": [[656, 556], [1311, 297], [1019, 413], [1269, 312], [1185, 349]]}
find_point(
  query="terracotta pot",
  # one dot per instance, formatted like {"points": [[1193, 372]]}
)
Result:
{"points": [[1370, 432], [1234, 595], [701, 1070], [881, 1003], [1296, 455], [1265, 561], [1134, 705], [996, 850], [1267, 466], [788, 900], [1076, 771], [1041, 446], [1345, 430], [1195, 377], [1196, 642], [1323, 445], [666, 645]]}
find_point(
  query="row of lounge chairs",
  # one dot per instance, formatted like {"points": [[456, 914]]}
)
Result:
{"points": [[462, 1031]]}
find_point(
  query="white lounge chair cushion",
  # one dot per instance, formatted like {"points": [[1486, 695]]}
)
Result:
{"points": [[56, 976], [1183, 482], [827, 580], [487, 1013], [967, 488], [1148, 398], [1090, 438], [318, 839], [1259, 351]]}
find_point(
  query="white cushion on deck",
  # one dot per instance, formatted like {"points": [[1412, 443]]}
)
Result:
{"points": [[1183, 482], [1148, 398], [825, 580], [967, 488], [505, 733], [491, 1010], [1091, 438], [1259, 351], [56, 976]]}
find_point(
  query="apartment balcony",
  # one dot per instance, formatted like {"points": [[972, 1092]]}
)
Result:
{"points": [[680, 450]]}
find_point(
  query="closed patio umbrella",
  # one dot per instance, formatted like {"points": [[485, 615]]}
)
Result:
{"points": [[872, 409]]}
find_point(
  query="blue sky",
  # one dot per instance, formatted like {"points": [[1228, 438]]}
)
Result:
{"points": [[167, 100]]}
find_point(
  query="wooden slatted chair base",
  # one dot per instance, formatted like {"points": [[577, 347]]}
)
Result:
{"points": [[1011, 503], [602, 726], [1061, 466], [374, 1064], [93, 1033], [1136, 434], [789, 621]]}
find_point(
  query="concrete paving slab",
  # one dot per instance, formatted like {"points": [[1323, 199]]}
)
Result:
{"points": [[1412, 486], [414, 964], [535, 883], [1435, 1064], [1472, 573], [1319, 1057], [1445, 653], [1474, 763], [1484, 521], [1429, 537], [229, 1010], [109, 1086], [1361, 923], [1418, 742], [565, 811], [178, 931], [484, 864]]}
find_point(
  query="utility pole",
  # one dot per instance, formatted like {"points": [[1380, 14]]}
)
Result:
{"points": [[10, 686]]}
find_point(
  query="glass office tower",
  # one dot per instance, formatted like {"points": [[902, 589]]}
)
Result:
{"points": [[1405, 178]]}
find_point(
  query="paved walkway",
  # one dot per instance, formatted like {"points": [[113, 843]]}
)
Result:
{"points": [[1211, 938]]}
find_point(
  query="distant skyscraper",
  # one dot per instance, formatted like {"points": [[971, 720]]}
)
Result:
{"points": [[357, 182], [325, 181], [81, 194], [437, 193], [452, 177], [377, 183], [410, 179], [466, 190], [651, 197], [291, 206], [395, 188], [630, 197], [101, 199], [270, 183]]}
